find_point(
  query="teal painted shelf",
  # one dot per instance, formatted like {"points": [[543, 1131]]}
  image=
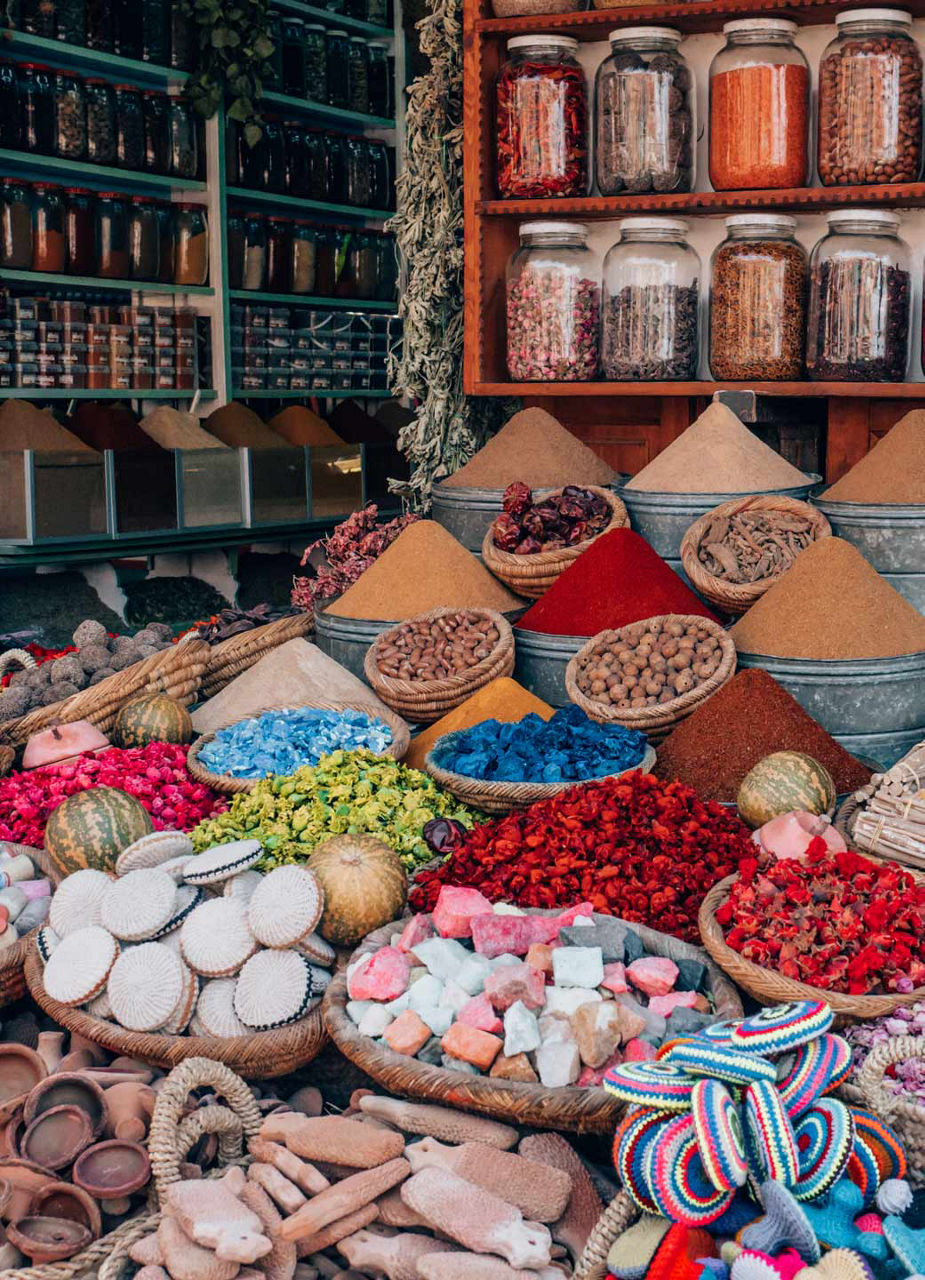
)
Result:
{"points": [[59, 393], [329, 115], [94, 282], [306, 300], [100, 177], [315, 207], [337, 21], [77, 58], [239, 393]]}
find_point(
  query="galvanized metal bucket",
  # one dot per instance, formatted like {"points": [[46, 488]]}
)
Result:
{"points": [[881, 750], [347, 639], [540, 661], [891, 538], [466, 513]]}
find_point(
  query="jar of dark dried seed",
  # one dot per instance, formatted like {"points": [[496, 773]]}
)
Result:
{"points": [[870, 101], [184, 148], [758, 300], [101, 122], [70, 117], [316, 75], [70, 21], [130, 128], [860, 299], [37, 115]]}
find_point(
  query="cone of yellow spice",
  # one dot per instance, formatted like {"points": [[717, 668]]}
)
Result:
{"points": [[503, 699]]}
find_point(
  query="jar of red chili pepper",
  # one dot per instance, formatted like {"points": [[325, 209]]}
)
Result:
{"points": [[542, 115]]}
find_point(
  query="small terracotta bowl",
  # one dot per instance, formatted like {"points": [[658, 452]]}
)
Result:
{"points": [[56, 1137], [113, 1169], [68, 1089], [48, 1239]]}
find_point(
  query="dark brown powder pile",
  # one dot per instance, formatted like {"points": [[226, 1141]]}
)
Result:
{"points": [[240, 427], [894, 470], [22, 426], [535, 448], [744, 721], [831, 604], [299, 426], [110, 426]]}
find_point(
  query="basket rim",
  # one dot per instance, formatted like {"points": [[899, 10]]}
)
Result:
{"points": [[249, 646], [521, 566], [422, 691]]}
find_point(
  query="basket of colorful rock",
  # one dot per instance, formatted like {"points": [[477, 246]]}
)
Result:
{"points": [[651, 674], [519, 1015], [280, 740], [236, 644], [426, 666], [532, 542]]}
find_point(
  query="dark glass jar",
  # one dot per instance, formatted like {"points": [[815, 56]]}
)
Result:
{"points": [[377, 12], [15, 225], [316, 76], [293, 57], [101, 122], [130, 128], [112, 240], [155, 34], [182, 36], [382, 190], [296, 158], [356, 9], [79, 232], [302, 258], [157, 134], [338, 59], [386, 269], [359, 177], [234, 239], [184, 149], [255, 253], [345, 263], [279, 250], [365, 253], [359, 76], [379, 75], [37, 109], [234, 161], [143, 239], [70, 21], [273, 68], [192, 237], [199, 127], [326, 242], [70, 117], [316, 184], [166, 242], [9, 106], [48, 247], [336, 168], [128, 28], [274, 156], [38, 18], [13, 10], [99, 25], [253, 161]]}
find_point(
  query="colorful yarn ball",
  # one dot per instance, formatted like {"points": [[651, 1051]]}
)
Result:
{"points": [[825, 1139], [651, 1084], [870, 1222], [862, 1167], [818, 1066], [719, 1135], [719, 1032], [675, 1258], [702, 1058], [783, 1026], [771, 1133], [883, 1142], [630, 1145], [677, 1179]]}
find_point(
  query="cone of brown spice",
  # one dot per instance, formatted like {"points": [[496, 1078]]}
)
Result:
{"points": [[893, 472], [240, 427], [536, 449], [299, 426]]}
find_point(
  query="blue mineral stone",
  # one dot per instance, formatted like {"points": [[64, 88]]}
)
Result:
{"points": [[279, 742]]}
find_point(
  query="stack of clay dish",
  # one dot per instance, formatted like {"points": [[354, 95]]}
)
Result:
{"points": [[181, 956], [13, 955]]}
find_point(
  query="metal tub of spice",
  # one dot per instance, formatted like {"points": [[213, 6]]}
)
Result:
{"points": [[540, 662], [890, 537], [346, 640]]}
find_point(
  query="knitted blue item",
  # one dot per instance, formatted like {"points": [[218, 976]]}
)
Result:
{"points": [[740, 1213], [907, 1243], [832, 1219], [785, 1225], [699, 1057]]}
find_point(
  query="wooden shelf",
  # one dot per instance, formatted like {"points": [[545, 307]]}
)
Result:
{"points": [[868, 390]]}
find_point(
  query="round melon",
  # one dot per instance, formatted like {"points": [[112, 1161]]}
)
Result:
{"points": [[153, 718], [91, 828], [365, 886], [782, 782]]}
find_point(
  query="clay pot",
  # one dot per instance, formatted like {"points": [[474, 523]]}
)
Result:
{"points": [[25, 1179], [51, 1049], [11, 1131], [307, 1100], [68, 1089], [107, 1077], [130, 1107], [21, 1069], [112, 1169], [48, 1239], [56, 1137], [62, 1200], [77, 1060], [99, 1056]]}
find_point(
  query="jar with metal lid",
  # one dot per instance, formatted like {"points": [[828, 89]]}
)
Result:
{"points": [[542, 119], [359, 174], [9, 106], [359, 75], [112, 248], [337, 48], [99, 25], [316, 179], [302, 259], [316, 63], [759, 108], [70, 117], [166, 241], [155, 33], [79, 231], [128, 33], [15, 225], [377, 12], [553, 305], [325, 269], [181, 36], [255, 252], [381, 171], [234, 239], [386, 269], [651, 297], [273, 67], [101, 122], [293, 56], [38, 18], [870, 101], [380, 81], [860, 299], [758, 300], [279, 253], [130, 128], [273, 155], [335, 162], [143, 239], [157, 131], [70, 21], [192, 244], [48, 248], [296, 158], [184, 148], [37, 113]]}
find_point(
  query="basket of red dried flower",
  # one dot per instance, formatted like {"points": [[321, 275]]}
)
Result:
{"points": [[832, 924]]}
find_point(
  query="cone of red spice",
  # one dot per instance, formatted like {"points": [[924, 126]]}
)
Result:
{"points": [[619, 579]]}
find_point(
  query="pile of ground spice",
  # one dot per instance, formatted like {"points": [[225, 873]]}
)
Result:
{"points": [[619, 579], [424, 568], [110, 426], [894, 470], [717, 454], [831, 604], [744, 721], [172, 429], [22, 426], [535, 448], [299, 425], [502, 699], [240, 427]]}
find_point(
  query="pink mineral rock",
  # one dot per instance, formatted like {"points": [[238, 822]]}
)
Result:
{"points": [[539, 956], [478, 1013], [638, 1051], [396, 1256], [584, 1206], [477, 1047], [439, 1122], [418, 929], [280, 1262], [537, 1190], [674, 1000], [476, 1218], [407, 1034], [343, 1198], [516, 1067], [615, 978], [547, 928], [632, 1024], [333, 1139], [381, 976], [512, 982], [655, 975], [494, 935], [598, 1030], [212, 1215], [452, 916]]}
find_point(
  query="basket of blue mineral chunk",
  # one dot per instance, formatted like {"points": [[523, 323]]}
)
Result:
{"points": [[498, 767], [280, 740]]}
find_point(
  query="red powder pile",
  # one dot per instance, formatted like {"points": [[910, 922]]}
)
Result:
{"points": [[619, 579]]}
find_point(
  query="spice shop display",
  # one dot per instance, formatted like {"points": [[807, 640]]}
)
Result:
{"points": [[892, 473], [278, 348], [542, 119], [332, 168], [147, 33], [644, 126], [650, 302], [759, 108], [860, 299], [427, 651], [553, 305], [758, 300], [502, 700], [283, 256], [870, 101], [335, 562], [532, 448]]}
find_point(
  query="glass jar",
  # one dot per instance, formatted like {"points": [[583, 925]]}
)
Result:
{"points": [[255, 252], [101, 122], [273, 156], [359, 75], [860, 300], [279, 252], [870, 101], [182, 38], [130, 128], [143, 239], [644, 108], [15, 225], [37, 114], [128, 31], [184, 149], [79, 232], [381, 185], [112, 256], [758, 300], [364, 253], [155, 34], [293, 56], [99, 25], [315, 177], [10, 110], [359, 175], [345, 263], [377, 12], [302, 259], [70, 117], [651, 295], [380, 81], [316, 76], [38, 18], [553, 305], [335, 162], [325, 267], [48, 247], [166, 242], [759, 108], [296, 157], [337, 51], [191, 264], [386, 269], [542, 117], [70, 21], [273, 68], [157, 131], [234, 160], [234, 238]]}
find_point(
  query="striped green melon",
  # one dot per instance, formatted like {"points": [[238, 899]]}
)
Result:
{"points": [[91, 828], [153, 718], [782, 782]]}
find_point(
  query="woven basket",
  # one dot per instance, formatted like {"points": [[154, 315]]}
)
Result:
{"points": [[657, 721], [568, 1109], [905, 1114], [230, 657], [620, 1214], [229, 786], [736, 597], [502, 797], [886, 818], [424, 701], [12, 959], [261, 1055], [770, 987], [7, 756], [532, 576]]}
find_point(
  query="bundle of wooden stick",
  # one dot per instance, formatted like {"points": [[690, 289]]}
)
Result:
{"points": [[891, 822]]}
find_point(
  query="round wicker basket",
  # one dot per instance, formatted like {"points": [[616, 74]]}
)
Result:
{"points": [[905, 1114], [531, 576], [424, 701], [568, 1109], [501, 797], [736, 597], [620, 1214], [230, 786], [770, 987], [13, 959], [657, 721], [230, 657]]}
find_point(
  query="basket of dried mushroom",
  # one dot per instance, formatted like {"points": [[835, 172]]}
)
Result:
{"points": [[735, 552]]}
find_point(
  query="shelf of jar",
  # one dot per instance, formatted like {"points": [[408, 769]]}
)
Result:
{"points": [[98, 176], [309, 300], [8, 276], [335, 21], [63, 393], [241, 393], [325, 113], [75, 57], [819, 390], [315, 207]]}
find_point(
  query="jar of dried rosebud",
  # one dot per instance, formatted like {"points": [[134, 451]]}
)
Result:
{"points": [[553, 305], [542, 118]]}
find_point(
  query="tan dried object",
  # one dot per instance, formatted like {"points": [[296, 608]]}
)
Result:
{"points": [[753, 545]]}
